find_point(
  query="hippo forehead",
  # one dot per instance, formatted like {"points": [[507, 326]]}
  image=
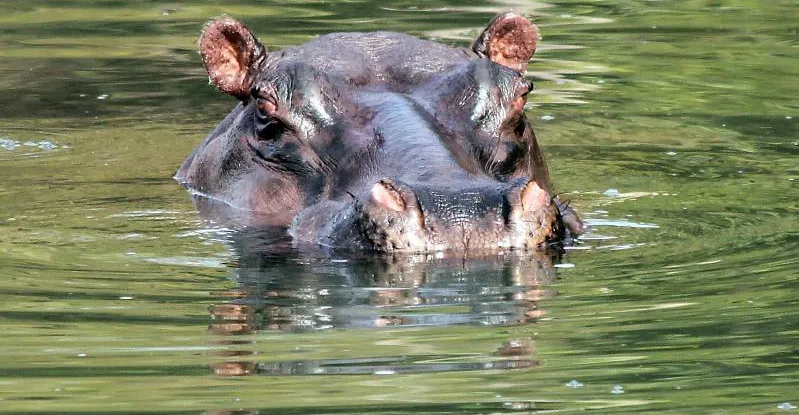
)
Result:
{"points": [[394, 60]]}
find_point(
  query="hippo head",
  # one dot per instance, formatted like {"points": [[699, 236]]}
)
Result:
{"points": [[380, 140]]}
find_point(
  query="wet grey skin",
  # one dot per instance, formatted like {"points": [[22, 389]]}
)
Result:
{"points": [[381, 141], [396, 217]]}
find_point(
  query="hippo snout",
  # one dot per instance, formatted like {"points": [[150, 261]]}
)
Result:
{"points": [[475, 216]]}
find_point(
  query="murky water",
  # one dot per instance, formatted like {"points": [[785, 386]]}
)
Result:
{"points": [[672, 126]]}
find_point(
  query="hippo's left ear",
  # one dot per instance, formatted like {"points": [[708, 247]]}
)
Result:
{"points": [[508, 40], [232, 56]]}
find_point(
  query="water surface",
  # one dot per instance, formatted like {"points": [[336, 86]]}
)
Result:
{"points": [[672, 127]]}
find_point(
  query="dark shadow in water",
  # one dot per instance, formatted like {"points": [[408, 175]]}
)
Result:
{"points": [[283, 288]]}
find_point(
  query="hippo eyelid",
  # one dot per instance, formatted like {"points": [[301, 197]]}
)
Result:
{"points": [[525, 87]]}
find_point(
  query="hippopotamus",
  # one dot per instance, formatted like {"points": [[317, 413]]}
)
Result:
{"points": [[381, 141]]}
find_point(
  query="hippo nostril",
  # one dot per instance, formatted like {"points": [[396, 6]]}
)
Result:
{"points": [[385, 194], [533, 197]]}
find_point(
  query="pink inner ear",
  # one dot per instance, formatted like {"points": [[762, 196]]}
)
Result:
{"points": [[229, 50], [387, 196], [534, 198], [512, 41]]}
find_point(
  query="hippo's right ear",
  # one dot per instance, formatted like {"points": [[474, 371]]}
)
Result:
{"points": [[232, 56], [508, 40]]}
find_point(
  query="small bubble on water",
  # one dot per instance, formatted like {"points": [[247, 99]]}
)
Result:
{"points": [[46, 145], [601, 81], [102, 96], [82, 95], [617, 390], [671, 153], [611, 192], [574, 384], [384, 372], [788, 117], [565, 15], [786, 406], [548, 117], [565, 265], [81, 354], [8, 144], [30, 144], [126, 297]]}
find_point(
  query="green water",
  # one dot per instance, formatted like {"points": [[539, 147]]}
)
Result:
{"points": [[672, 126]]}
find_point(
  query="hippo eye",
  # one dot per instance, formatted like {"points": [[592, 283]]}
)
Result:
{"points": [[524, 88], [267, 107], [528, 85], [520, 100]]}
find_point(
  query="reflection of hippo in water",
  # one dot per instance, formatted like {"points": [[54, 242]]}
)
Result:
{"points": [[282, 289], [381, 140]]}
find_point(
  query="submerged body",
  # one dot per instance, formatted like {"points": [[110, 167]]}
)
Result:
{"points": [[381, 141]]}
